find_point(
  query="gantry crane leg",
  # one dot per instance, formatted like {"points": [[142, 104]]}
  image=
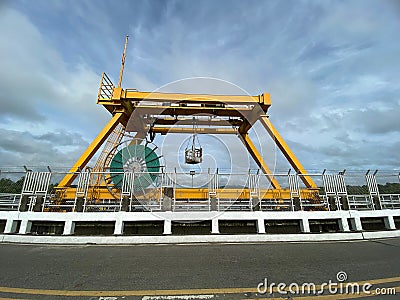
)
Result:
{"points": [[244, 137], [91, 150], [292, 159]]}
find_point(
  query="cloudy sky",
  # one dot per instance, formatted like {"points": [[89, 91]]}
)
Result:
{"points": [[332, 69]]}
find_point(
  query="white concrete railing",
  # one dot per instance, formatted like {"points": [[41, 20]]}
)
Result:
{"points": [[21, 222], [334, 194]]}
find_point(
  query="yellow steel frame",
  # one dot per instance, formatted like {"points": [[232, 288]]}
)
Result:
{"points": [[172, 110], [165, 130], [91, 150], [258, 159], [124, 103], [294, 162], [202, 193]]}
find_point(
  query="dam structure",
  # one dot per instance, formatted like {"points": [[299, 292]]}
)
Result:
{"points": [[129, 195]]}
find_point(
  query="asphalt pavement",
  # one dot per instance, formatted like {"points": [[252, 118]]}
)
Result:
{"points": [[229, 271]]}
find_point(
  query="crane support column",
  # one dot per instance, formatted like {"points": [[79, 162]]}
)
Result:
{"points": [[244, 137], [292, 159], [91, 150]]}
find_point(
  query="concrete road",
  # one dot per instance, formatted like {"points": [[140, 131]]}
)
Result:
{"points": [[225, 271]]}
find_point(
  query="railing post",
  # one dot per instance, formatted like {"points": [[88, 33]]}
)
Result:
{"points": [[69, 227], [355, 222], [260, 226], [389, 222], [304, 225], [11, 226], [119, 227], [214, 226], [25, 226], [344, 225], [167, 227]]}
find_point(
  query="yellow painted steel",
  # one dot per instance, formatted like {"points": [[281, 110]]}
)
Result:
{"points": [[258, 159], [146, 103], [208, 121], [121, 72], [91, 150], [202, 194], [190, 110], [294, 162], [144, 112], [165, 130], [133, 95]]}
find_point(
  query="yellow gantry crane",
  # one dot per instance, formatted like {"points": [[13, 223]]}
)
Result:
{"points": [[150, 113]]}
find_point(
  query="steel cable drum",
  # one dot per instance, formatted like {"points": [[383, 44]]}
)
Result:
{"points": [[141, 160]]}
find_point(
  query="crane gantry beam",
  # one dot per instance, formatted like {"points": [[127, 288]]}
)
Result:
{"points": [[169, 107], [149, 113]]}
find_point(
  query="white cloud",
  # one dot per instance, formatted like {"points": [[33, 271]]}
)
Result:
{"points": [[57, 149], [332, 68], [41, 93]]}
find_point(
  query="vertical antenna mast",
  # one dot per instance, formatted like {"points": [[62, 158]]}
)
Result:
{"points": [[121, 72]]}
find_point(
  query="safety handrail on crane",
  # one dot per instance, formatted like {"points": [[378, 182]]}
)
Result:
{"points": [[106, 88]]}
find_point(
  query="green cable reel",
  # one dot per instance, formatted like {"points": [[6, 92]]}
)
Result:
{"points": [[140, 159]]}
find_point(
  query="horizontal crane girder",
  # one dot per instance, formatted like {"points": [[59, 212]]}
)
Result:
{"points": [[136, 96], [155, 112], [165, 130]]}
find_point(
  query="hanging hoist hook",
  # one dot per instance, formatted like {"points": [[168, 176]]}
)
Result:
{"points": [[193, 154], [152, 134]]}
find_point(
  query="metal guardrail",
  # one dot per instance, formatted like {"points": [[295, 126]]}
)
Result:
{"points": [[9, 201], [106, 88], [37, 192]]}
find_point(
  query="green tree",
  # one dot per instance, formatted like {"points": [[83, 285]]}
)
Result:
{"points": [[11, 187]]}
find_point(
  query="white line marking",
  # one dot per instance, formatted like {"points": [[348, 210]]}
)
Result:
{"points": [[183, 297]]}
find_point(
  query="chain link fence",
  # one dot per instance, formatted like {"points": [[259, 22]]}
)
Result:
{"points": [[38, 190]]}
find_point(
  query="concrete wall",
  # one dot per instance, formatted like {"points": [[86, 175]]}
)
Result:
{"points": [[21, 222]]}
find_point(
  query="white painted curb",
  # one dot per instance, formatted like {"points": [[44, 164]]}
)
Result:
{"points": [[189, 239]]}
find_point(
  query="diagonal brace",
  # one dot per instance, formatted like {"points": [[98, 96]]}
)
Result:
{"points": [[258, 159], [294, 162], [91, 150]]}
